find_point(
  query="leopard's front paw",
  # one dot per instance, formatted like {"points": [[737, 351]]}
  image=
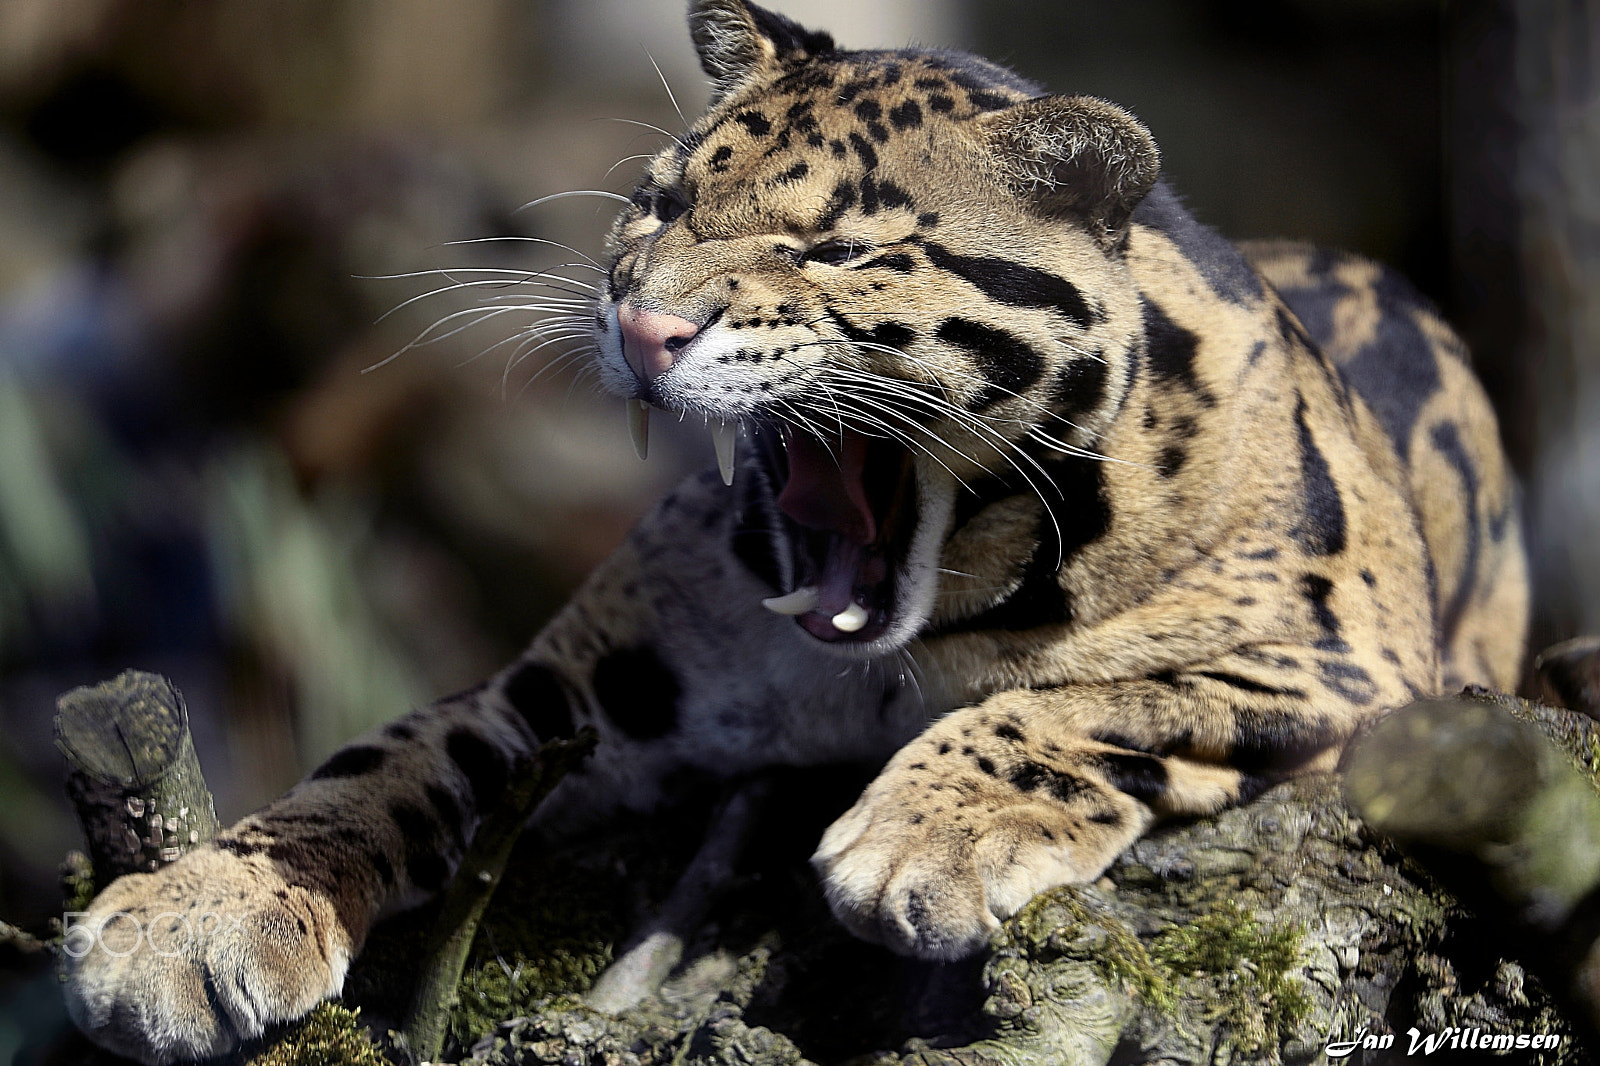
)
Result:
{"points": [[186, 962], [931, 858]]}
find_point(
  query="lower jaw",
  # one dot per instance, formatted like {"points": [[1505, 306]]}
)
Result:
{"points": [[846, 596], [825, 629], [860, 620]]}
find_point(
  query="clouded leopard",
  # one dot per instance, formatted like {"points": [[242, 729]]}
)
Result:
{"points": [[1071, 513]]}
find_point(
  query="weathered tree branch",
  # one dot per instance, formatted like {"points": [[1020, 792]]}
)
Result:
{"points": [[474, 884], [132, 773], [1569, 675], [1267, 932], [1498, 813]]}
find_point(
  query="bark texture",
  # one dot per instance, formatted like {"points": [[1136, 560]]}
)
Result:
{"points": [[132, 774], [1261, 935], [475, 882], [1476, 790]]}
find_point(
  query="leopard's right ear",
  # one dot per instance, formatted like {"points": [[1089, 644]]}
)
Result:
{"points": [[739, 42], [1076, 156]]}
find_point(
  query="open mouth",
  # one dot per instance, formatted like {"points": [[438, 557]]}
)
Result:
{"points": [[850, 501]]}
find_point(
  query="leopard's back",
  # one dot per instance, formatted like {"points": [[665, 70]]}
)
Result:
{"points": [[1406, 364]]}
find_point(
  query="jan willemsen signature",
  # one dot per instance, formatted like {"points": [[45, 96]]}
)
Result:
{"points": [[1450, 1038]]}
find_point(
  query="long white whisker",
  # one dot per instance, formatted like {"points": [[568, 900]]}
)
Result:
{"points": [[910, 672], [531, 240], [654, 129], [483, 283], [627, 159], [428, 337], [553, 296], [873, 399], [560, 362], [1003, 446], [975, 419], [506, 275], [564, 304], [523, 354], [574, 192], [546, 337], [670, 95], [483, 314], [527, 342], [895, 432], [1040, 408]]}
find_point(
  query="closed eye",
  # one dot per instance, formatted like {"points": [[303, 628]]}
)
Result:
{"points": [[664, 205], [837, 252], [668, 204]]}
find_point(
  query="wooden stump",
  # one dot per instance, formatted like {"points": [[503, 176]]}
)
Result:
{"points": [[132, 773]]}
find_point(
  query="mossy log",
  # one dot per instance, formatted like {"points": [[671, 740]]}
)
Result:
{"points": [[1478, 793], [1262, 935], [1257, 936], [132, 773]]}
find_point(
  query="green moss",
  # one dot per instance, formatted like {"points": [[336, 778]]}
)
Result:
{"points": [[1246, 974], [1576, 734], [1221, 966], [506, 987], [1102, 940], [331, 1035], [550, 930], [77, 881]]}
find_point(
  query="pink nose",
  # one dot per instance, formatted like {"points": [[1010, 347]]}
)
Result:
{"points": [[651, 341]]}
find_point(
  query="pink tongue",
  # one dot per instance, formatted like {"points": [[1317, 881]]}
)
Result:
{"points": [[825, 489]]}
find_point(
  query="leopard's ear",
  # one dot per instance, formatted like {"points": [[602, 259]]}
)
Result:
{"points": [[1076, 156], [738, 41]]}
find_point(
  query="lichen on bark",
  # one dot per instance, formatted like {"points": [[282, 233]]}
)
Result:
{"points": [[132, 773]]}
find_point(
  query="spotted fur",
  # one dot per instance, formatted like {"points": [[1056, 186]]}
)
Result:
{"points": [[1083, 516]]}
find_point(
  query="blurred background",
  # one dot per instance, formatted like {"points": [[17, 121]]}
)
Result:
{"points": [[225, 457]]}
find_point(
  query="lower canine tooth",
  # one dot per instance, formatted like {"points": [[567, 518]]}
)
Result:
{"points": [[851, 618], [722, 435], [639, 426], [799, 601]]}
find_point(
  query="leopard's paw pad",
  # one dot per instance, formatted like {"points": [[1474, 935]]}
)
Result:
{"points": [[187, 962]]}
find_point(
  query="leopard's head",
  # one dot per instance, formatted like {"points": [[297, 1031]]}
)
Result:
{"points": [[888, 270]]}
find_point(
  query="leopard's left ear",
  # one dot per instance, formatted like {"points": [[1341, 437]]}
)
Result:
{"points": [[738, 41], [1076, 156]]}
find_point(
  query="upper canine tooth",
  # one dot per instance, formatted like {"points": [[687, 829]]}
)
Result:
{"points": [[851, 618], [799, 601], [638, 426], [722, 435]]}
